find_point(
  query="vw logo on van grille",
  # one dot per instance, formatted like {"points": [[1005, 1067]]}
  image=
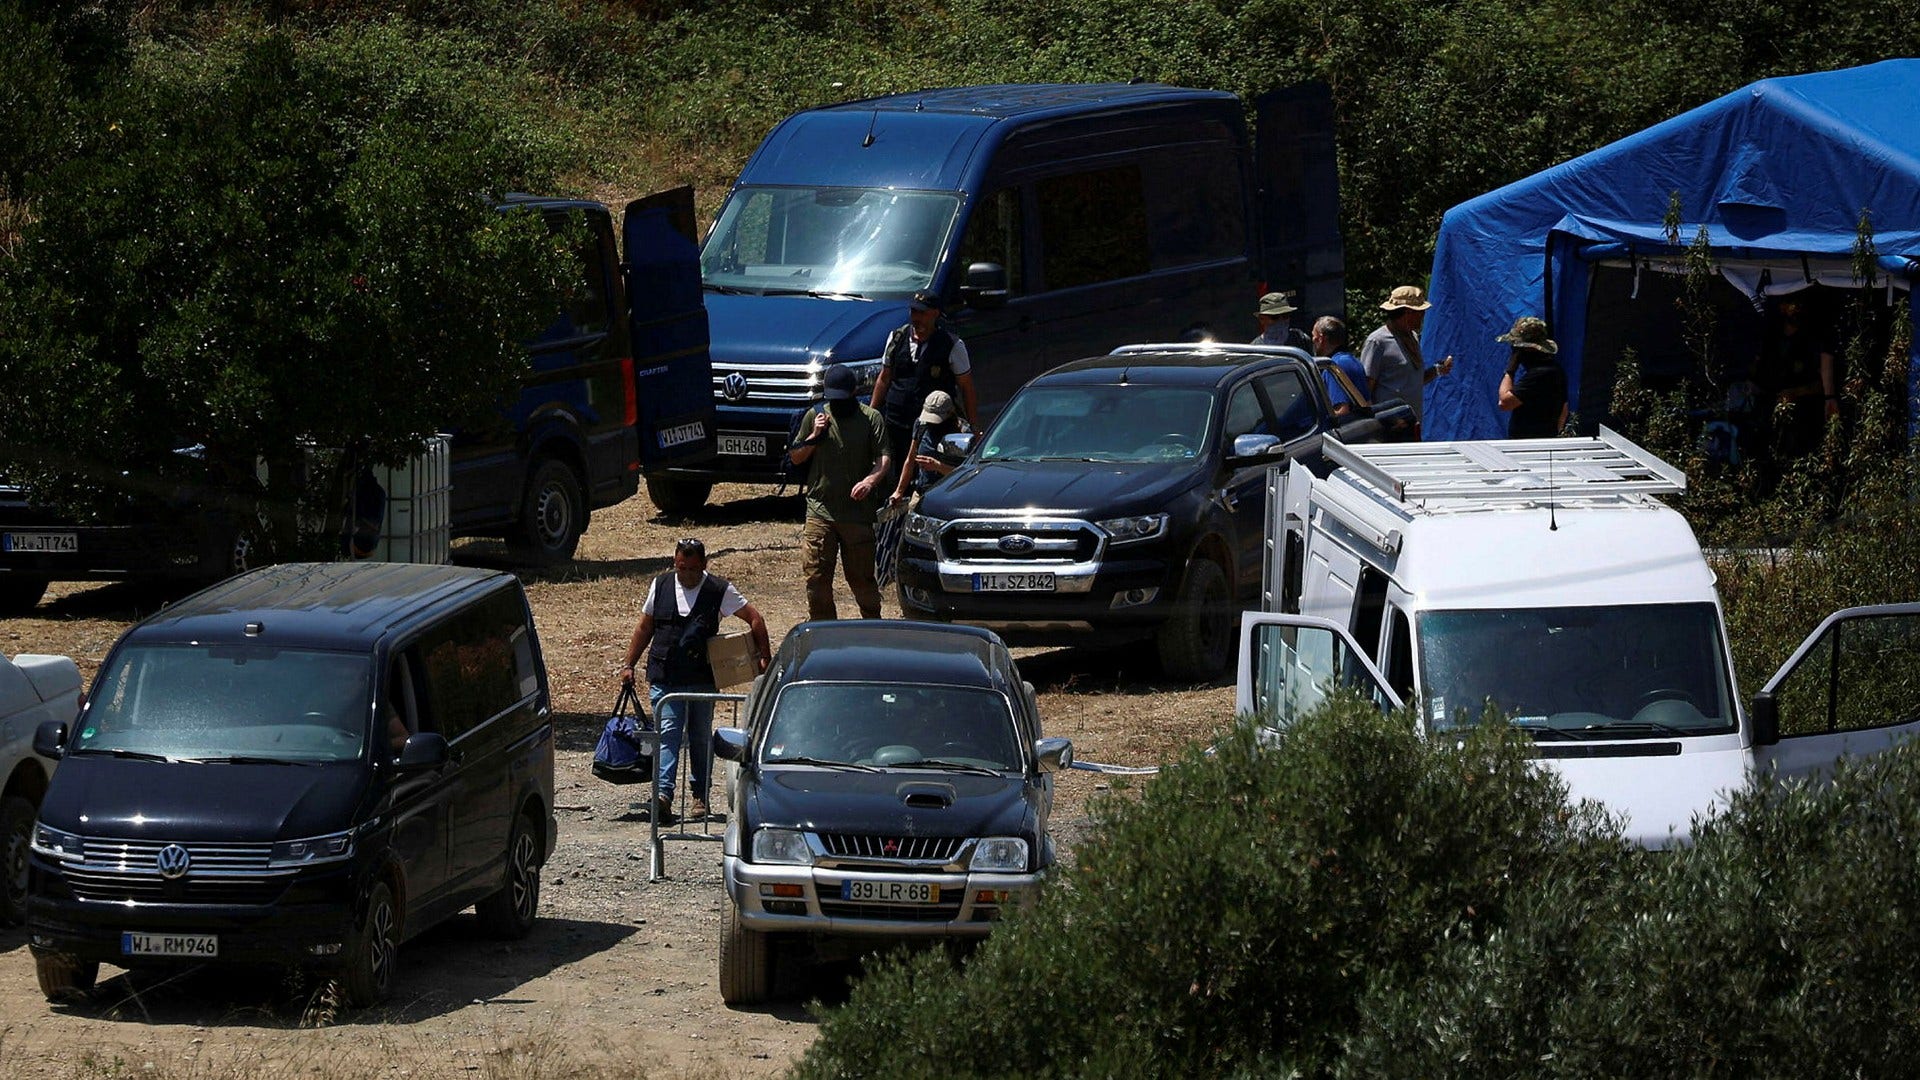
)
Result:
{"points": [[734, 386], [1016, 544], [173, 861]]}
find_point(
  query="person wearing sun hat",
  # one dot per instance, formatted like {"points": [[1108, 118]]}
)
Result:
{"points": [[1391, 354], [1276, 322], [1537, 399]]}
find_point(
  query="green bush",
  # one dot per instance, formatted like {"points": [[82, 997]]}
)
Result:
{"points": [[1782, 943], [1233, 917]]}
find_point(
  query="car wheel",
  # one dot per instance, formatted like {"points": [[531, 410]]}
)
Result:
{"points": [[510, 912], [20, 592], [676, 496], [1196, 642], [374, 952], [553, 515], [64, 979], [746, 964], [16, 832]]}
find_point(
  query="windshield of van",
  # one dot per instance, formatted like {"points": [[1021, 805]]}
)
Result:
{"points": [[892, 725], [230, 701], [1627, 672], [1101, 423], [870, 242]]}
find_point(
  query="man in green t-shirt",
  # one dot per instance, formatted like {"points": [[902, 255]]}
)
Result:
{"points": [[844, 448]]}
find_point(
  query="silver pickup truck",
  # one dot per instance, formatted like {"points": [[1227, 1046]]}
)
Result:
{"points": [[33, 689]]}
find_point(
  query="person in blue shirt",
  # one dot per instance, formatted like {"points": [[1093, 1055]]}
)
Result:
{"points": [[1330, 342]]}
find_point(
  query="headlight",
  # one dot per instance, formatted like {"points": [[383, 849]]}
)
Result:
{"points": [[1130, 530], [1005, 853], [787, 846], [922, 529], [55, 844], [865, 374], [318, 849]]}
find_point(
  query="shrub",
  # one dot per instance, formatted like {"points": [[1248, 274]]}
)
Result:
{"points": [[1232, 917]]}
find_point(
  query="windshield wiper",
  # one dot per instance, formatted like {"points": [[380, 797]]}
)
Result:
{"points": [[949, 766], [822, 762], [123, 752], [818, 294], [730, 290], [1648, 725], [243, 759], [1537, 730]]}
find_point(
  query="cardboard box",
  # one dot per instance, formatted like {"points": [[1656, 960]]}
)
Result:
{"points": [[732, 658]]}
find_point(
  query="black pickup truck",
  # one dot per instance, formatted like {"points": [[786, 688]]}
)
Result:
{"points": [[1125, 496]]}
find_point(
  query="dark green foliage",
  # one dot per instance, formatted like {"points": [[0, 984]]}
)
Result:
{"points": [[1234, 916], [275, 240], [1782, 944]]}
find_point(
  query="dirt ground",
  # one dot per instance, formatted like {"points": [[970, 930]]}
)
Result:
{"points": [[618, 978]]}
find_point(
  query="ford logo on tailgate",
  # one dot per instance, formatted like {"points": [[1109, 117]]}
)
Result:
{"points": [[1016, 544], [173, 861]]}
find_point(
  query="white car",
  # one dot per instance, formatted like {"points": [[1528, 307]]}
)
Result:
{"points": [[33, 690]]}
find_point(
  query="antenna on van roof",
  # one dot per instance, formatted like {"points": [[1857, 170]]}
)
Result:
{"points": [[1553, 523], [871, 120]]}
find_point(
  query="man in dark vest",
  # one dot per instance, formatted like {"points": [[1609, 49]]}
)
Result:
{"points": [[922, 357], [683, 610]]}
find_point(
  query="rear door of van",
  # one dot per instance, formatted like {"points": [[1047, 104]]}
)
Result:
{"points": [[667, 322]]}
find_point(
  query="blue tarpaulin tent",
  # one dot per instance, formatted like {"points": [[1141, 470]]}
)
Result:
{"points": [[1778, 172]]}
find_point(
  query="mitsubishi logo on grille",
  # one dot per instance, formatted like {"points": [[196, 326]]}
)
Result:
{"points": [[890, 846], [1016, 544], [173, 861], [734, 386]]}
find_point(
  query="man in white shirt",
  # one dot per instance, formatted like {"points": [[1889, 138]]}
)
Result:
{"points": [[682, 612], [921, 357]]}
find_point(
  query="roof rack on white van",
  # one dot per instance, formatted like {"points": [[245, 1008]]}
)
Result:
{"points": [[1568, 469]]}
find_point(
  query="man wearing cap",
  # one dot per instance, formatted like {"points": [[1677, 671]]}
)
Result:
{"points": [[939, 418], [922, 357], [844, 448], [681, 614], [1537, 399], [1276, 322], [1391, 354]]}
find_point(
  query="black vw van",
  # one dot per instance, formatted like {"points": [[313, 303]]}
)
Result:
{"points": [[305, 765]]}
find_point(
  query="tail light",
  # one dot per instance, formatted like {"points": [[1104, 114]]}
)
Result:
{"points": [[632, 413]]}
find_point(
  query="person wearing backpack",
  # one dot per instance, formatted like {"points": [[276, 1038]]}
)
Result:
{"points": [[682, 612]]}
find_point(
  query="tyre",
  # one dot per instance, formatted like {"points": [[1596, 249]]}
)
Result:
{"points": [[746, 967], [553, 515], [374, 952], [16, 832], [510, 912], [1196, 643], [20, 592], [62, 978], [676, 496]]}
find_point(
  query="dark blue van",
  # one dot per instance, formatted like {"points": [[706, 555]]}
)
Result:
{"points": [[1057, 221]]}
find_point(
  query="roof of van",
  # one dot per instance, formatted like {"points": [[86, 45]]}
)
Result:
{"points": [[314, 605], [926, 140]]}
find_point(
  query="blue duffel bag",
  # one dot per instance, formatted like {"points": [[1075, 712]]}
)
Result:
{"points": [[624, 754]]}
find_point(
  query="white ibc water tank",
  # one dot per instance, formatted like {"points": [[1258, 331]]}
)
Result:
{"points": [[418, 526]]}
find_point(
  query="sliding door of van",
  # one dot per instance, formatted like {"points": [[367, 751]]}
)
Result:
{"points": [[1853, 687], [994, 313], [667, 320], [1298, 182]]}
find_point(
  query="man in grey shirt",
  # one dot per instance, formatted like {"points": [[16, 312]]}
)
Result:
{"points": [[1391, 354]]}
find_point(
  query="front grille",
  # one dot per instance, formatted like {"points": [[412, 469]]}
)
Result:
{"points": [[939, 849], [142, 856], [1043, 542], [941, 912], [768, 384], [108, 887]]}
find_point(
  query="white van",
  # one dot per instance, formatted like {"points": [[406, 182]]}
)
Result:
{"points": [[1544, 577]]}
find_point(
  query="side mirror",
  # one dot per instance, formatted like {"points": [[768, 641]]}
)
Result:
{"points": [[1054, 754], [48, 739], [730, 744], [1396, 419], [957, 445], [1764, 713], [1252, 446], [423, 752], [985, 286]]}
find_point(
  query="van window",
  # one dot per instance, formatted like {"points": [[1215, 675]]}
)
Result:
{"points": [[1860, 674], [1370, 602], [1093, 226], [587, 309], [841, 240], [1197, 206], [994, 236], [1400, 655], [476, 667]]}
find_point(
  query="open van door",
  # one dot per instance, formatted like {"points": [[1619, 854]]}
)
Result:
{"points": [[1298, 181], [1853, 687], [667, 320], [1289, 664], [1283, 569]]}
